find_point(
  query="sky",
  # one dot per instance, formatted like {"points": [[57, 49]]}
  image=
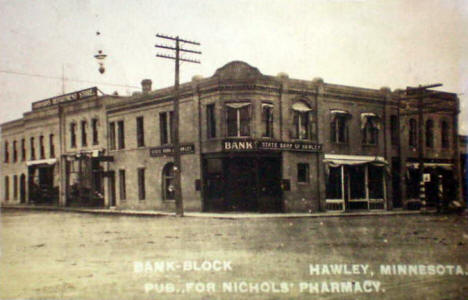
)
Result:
{"points": [[365, 43]]}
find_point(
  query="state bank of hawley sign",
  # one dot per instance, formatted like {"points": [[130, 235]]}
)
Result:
{"points": [[242, 145]]}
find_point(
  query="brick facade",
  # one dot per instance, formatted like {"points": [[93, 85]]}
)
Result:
{"points": [[253, 143]]}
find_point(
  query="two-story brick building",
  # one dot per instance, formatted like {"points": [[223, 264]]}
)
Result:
{"points": [[249, 142]]}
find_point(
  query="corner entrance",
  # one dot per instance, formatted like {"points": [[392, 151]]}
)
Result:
{"points": [[243, 183]]}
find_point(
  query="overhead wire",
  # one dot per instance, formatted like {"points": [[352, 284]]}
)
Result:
{"points": [[67, 79]]}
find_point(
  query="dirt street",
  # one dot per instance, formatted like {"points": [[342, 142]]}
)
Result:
{"points": [[56, 255]]}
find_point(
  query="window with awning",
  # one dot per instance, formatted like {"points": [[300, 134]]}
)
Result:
{"points": [[370, 126], [339, 126], [238, 119], [302, 114], [355, 181]]}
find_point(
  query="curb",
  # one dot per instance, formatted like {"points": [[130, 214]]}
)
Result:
{"points": [[231, 216]]}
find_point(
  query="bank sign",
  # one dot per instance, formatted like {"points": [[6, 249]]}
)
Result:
{"points": [[169, 150], [258, 145]]}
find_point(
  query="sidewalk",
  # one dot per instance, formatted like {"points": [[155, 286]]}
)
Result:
{"points": [[228, 215]]}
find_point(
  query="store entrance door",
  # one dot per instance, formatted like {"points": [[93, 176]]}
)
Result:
{"points": [[241, 185], [244, 183]]}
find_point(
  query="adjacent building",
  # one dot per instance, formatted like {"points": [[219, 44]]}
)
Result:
{"points": [[249, 142]]}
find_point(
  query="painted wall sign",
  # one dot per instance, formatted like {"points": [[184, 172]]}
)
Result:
{"points": [[65, 98], [169, 150], [257, 145]]}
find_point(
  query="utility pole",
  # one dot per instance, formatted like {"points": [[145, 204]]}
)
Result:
{"points": [[175, 122], [420, 93]]}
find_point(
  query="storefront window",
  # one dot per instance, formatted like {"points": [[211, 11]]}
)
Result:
{"points": [[375, 178], [238, 119], [357, 181], [168, 182], [334, 183]]}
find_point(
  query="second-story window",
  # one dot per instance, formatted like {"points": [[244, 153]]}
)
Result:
{"points": [[73, 135], [94, 124], [33, 149], [23, 149], [6, 153], [238, 119], [15, 152], [41, 147], [444, 134], [412, 133], [429, 133], [301, 121], [112, 135], [370, 127], [210, 121], [165, 127], [394, 130], [84, 137], [140, 128], [267, 119], [339, 126], [51, 146], [121, 134]]}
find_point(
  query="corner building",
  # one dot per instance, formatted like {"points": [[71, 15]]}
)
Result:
{"points": [[252, 142]]}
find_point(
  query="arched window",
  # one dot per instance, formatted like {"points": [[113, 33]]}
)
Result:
{"points": [[429, 133], [301, 121], [445, 134], [412, 136], [168, 191]]}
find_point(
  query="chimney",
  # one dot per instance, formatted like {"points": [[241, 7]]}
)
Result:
{"points": [[146, 86]]}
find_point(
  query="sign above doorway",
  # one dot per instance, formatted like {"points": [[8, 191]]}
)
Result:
{"points": [[243, 145]]}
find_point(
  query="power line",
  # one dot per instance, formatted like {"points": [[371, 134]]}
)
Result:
{"points": [[61, 78], [175, 121]]}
